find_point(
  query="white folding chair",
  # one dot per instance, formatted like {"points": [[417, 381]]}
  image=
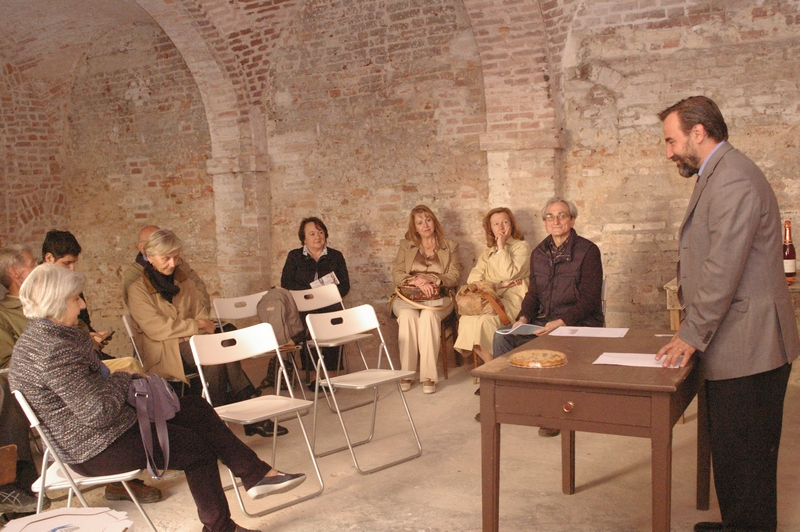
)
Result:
{"points": [[321, 297], [238, 308], [332, 327], [59, 476], [130, 329], [250, 342]]}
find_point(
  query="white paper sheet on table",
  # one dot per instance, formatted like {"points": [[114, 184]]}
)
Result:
{"points": [[592, 332], [641, 360]]}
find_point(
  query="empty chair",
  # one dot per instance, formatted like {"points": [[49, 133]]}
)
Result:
{"points": [[59, 476], [250, 342], [130, 330], [333, 327], [321, 297]]}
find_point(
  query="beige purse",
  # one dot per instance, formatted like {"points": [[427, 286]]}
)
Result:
{"points": [[478, 298]]}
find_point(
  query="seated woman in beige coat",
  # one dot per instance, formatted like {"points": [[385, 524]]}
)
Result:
{"points": [[429, 261], [505, 263], [166, 305]]}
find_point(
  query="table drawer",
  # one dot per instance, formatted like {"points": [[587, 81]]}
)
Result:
{"points": [[577, 405]]}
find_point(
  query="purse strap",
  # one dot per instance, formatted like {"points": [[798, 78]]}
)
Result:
{"points": [[143, 390], [496, 305]]}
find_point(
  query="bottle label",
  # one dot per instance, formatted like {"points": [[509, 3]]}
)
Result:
{"points": [[789, 266]]}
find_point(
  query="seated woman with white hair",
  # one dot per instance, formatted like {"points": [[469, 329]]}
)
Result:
{"points": [[84, 410]]}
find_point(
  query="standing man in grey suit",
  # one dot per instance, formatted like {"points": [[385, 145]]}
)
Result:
{"points": [[738, 319]]}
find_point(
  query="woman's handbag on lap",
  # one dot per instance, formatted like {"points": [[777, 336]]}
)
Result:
{"points": [[478, 298], [155, 402]]}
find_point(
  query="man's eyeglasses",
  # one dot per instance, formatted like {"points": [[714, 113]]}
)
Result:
{"points": [[561, 217]]}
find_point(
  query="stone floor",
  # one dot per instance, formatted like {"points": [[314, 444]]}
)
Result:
{"points": [[441, 490]]}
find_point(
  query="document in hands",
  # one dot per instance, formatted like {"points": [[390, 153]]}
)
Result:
{"points": [[641, 360], [325, 279], [520, 328]]}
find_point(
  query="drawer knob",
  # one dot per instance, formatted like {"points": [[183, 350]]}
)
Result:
{"points": [[568, 406]]}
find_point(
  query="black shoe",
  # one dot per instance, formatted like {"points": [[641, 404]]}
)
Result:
{"points": [[312, 385], [707, 526], [276, 484], [264, 428], [548, 433], [478, 417], [478, 391]]}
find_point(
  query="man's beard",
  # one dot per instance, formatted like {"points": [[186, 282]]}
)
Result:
{"points": [[688, 164]]}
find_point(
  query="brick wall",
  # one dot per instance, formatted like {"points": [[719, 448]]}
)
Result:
{"points": [[31, 198], [137, 146], [625, 66], [375, 108]]}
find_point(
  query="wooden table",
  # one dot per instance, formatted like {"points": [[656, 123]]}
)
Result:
{"points": [[580, 396]]}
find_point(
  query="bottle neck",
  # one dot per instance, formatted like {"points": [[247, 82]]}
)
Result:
{"points": [[787, 233]]}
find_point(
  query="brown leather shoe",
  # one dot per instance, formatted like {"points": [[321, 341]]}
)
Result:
{"points": [[146, 494]]}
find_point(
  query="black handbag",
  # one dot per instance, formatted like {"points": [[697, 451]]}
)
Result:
{"points": [[155, 402]]}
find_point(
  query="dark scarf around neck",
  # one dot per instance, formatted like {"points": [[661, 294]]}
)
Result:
{"points": [[164, 284]]}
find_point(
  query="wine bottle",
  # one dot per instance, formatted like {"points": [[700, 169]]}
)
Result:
{"points": [[789, 255]]}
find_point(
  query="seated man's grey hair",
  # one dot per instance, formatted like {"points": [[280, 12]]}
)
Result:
{"points": [[45, 292], [162, 242], [11, 257], [573, 209]]}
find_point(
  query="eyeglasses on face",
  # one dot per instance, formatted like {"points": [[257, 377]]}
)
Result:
{"points": [[561, 217]]}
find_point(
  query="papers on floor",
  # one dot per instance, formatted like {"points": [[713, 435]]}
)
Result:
{"points": [[591, 332], [325, 279], [520, 328], [641, 360]]}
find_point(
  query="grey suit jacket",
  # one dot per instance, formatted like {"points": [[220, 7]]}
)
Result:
{"points": [[738, 313]]}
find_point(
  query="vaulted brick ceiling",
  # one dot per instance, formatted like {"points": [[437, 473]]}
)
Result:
{"points": [[43, 39]]}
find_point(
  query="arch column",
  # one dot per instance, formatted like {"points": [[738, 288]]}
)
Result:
{"points": [[238, 164]]}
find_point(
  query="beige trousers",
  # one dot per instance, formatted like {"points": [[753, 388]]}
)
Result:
{"points": [[124, 363], [420, 333]]}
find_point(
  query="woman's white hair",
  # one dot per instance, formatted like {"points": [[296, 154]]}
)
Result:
{"points": [[45, 292], [161, 242]]}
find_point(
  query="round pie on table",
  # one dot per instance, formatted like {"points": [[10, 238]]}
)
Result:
{"points": [[537, 358]]}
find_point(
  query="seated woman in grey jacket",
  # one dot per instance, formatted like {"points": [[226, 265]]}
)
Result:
{"points": [[84, 410]]}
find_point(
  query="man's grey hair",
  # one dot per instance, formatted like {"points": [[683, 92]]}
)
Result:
{"points": [[45, 292], [12, 256], [573, 209], [162, 242]]}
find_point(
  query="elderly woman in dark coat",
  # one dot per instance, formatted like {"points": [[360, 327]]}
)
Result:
{"points": [[83, 407]]}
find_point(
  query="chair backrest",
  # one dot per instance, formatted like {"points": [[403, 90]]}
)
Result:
{"points": [[316, 298], [341, 323], [235, 308], [603, 300], [232, 346], [50, 453], [227, 347], [130, 325], [26, 408]]}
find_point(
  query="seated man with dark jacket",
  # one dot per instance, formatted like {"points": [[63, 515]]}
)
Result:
{"points": [[566, 282]]}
